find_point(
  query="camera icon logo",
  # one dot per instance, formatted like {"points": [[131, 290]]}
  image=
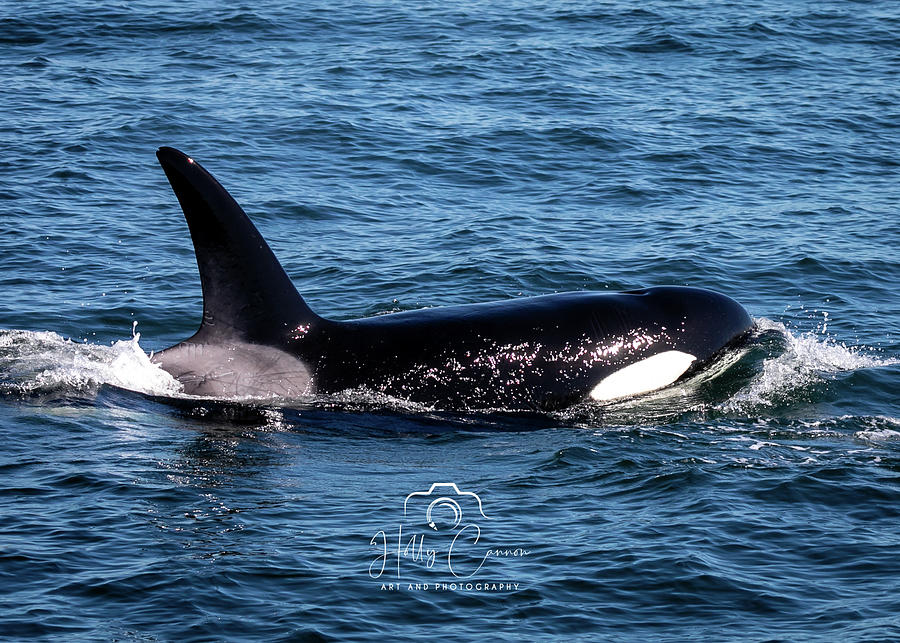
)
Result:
{"points": [[443, 498]]}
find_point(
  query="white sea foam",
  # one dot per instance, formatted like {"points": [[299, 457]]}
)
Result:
{"points": [[883, 429], [807, 359], [35, 363]]}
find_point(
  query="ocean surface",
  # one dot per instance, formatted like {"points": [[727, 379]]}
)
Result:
{"points": [[407, 155]]}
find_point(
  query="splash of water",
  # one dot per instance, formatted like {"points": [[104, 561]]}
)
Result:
{"points": [[807, 359], [44, 363]]}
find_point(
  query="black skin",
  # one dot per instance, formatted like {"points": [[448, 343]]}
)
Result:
{"points": [[532, 353]]}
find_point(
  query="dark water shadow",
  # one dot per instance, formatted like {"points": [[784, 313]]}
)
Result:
{"points": [[328, 417]]}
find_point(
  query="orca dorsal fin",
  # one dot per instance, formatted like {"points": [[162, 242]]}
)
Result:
{"points": [[246, 293]]}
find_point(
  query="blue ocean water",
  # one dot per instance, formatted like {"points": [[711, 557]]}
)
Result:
{"points": [[403, 155]]}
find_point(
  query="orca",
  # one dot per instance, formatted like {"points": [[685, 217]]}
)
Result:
{"points": [[259, 339]]}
